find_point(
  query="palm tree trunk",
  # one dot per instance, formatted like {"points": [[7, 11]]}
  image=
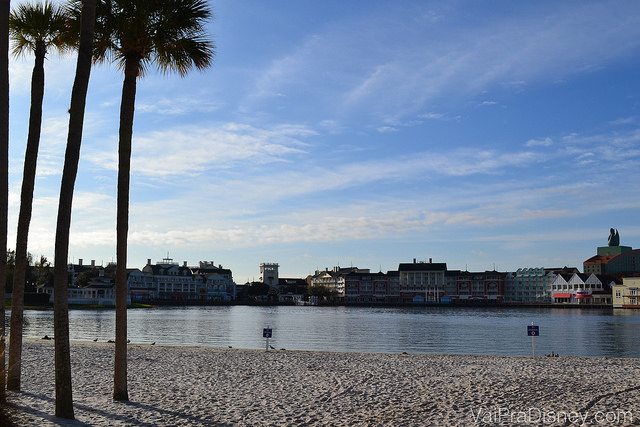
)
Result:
{"points": [[64, 398], [4, 176], [127, 108], [24, 219]]}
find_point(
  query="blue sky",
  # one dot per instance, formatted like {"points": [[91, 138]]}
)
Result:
{"points": [[367, 133]]}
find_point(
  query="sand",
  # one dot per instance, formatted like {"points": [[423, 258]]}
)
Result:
{"points": [[176, 386]]}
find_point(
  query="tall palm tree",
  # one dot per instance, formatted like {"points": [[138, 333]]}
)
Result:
{"points": [[64, 397], [5, 9], [167, 34], [35, 28]]}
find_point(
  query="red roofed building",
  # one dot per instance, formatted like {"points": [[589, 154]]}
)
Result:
{"points": [[614, 260]]}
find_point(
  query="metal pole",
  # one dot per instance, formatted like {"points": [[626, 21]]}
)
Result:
{"points": [[533, 341], [268, 335]]}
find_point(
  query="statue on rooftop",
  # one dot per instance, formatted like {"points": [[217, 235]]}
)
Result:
{"points": [[614, 237]]}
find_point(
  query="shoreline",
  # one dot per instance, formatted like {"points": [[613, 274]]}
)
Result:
{"points": [[156, 304], [214, 386]]}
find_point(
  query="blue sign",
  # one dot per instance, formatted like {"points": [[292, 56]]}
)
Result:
{"points": [[266, 333], [533, 331]]}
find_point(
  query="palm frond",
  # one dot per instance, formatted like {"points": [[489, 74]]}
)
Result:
{"points": [[44, 23], [168, 35]]}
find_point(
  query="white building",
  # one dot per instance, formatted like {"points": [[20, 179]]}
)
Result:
{"points": [[334, 279], [98, 290], [140, 285], [582, 289], [269, 274], [627, 294], [172, 281]]}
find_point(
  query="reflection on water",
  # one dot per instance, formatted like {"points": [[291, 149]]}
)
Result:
{"points": [[490, 331]]}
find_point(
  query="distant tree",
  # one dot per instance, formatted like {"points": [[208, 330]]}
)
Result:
{"points": [[10, 265], [42, 272], [319, 291], [64, 395], [257, 289], [5, 9], [84, 278], [35, 28]]}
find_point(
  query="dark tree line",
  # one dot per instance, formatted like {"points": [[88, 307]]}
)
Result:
{"points": [[39, 272]]}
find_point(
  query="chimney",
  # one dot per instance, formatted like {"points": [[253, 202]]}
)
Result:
{"points": [[430, 260], [80, 261], [93, 263], [148, 261], [184, 264], [414, 260]]}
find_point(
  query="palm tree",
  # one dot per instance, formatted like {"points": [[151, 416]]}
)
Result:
{"points": [[168, 34], [35, 28], [5, 8], [64, 399]]}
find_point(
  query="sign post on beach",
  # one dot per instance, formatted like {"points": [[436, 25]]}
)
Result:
{"points": [[267, 333], [533, 331]]}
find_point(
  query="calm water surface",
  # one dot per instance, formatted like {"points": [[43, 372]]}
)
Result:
{"points": [[486, 331]]}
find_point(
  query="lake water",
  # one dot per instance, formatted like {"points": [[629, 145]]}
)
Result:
{"points": [[450, 330]]}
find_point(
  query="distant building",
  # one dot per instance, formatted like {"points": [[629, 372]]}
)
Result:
{"points": [[532, 285], [334, 280], [165, 280], [269, 274], [614, 259], [394, 286], [451, 285], [479, 286], [140, 285], [582, 289], [174, 282], [627, 294], [218, 282], [422, 281], [99, 291], [292, 290], [87, 285], [365, 287]]}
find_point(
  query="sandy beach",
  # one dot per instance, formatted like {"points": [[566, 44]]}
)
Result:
{"points": [[171, 386]]}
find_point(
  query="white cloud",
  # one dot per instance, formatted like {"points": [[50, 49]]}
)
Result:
{"points": [[624, 121], [432, 116], [387, 129], [546, 142], [190, 150], [177, 106]]}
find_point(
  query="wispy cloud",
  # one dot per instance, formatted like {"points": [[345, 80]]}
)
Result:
{"points": [[545, 142], [177, 106], [191, 150], [387, 129], [478, 55], [432, 116]]}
